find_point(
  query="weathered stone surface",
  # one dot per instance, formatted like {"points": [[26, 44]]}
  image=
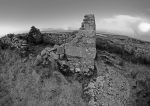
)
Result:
{"points": [[83, 47], [38, 60], [60, 50], [75, 51], [88, 22], [47, 55]]}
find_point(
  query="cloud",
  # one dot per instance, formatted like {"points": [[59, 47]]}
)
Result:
{"points": [[148, 9], [4, 29], [121, 24], [144, 27], [124, 24]]}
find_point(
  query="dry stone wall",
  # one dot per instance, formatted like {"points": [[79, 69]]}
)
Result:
{"points": [[59, 38], [14, 42]]}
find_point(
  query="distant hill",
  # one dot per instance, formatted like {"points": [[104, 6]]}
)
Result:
{"points": [[54, 30], [140, 36], [145, 37]]}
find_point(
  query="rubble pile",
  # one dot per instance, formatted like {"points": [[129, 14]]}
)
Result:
{"points": [[109, 89], [14, 42], [19, 43], [47, 55]]}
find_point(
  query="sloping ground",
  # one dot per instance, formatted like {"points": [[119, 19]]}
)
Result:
{"points": [[22, 84], [128, 59], [122, 78], [120, 82], [129, 48]]}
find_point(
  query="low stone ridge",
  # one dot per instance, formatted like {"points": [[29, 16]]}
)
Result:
{"points": [[14, 42]]}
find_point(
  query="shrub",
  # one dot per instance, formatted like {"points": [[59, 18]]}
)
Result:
{"points": [[34, 36]]}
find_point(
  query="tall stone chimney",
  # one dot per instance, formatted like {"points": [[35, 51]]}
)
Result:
{"points": [[88, 22], [81, 51]]}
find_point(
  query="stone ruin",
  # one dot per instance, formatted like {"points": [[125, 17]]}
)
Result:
{"points": [[78, 54], [88, 22], [81, 51], [109, 87]]}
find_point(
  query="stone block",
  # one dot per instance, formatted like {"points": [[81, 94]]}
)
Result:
{"points": [[88, 22], [75, 51], [60, 50]]}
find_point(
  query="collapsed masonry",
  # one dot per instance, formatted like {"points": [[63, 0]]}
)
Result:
{"points": [[78, 54]]}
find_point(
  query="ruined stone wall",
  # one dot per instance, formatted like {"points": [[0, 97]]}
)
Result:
{"points": [[79, 48], [81, 51], [88, 22]]}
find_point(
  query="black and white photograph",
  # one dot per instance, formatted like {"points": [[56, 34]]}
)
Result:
{"points": [[74, 52]]}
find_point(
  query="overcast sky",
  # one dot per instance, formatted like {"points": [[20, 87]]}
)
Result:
{"points": [[20, 15]]}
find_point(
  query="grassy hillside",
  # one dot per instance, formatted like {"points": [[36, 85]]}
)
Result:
{"points": [[24, 84], [129, 48]]}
